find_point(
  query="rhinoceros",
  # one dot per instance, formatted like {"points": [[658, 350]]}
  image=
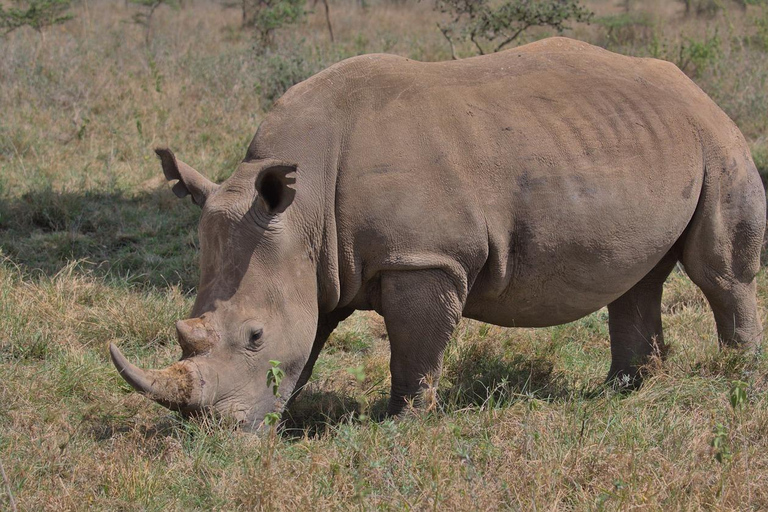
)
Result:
{"points": [[526, 188]]}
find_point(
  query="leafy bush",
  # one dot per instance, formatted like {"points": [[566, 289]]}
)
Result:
{"points": [[697, 55], [280, 68], [279, 71], [266, 16], [481, 21], [693, 56], [38, 14]]}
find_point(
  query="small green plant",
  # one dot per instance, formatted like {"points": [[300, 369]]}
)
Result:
{"points": [[37, 14], [272, 419], [483, 22], [275, 375], [738, 395], [358, 372], [720, 444]]}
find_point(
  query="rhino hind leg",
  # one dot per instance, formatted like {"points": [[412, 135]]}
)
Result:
{"points": [[634, 323], [722, 253], [421, 309]]}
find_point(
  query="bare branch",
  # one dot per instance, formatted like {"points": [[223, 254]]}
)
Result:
{"points": [[511, 38], [445, 31], [328, 19], [477, 45]]}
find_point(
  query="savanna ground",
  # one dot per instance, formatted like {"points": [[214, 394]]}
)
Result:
{"points": [[95, 248]]}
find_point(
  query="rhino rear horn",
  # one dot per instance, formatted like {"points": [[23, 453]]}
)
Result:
{"points": [[189, 181]]}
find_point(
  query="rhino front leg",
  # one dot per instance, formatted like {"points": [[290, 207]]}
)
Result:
{"points": [[326, 323], [421, 309]]}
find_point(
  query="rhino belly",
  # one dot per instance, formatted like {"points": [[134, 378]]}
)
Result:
{"points": [[554, 296], [555, 265]]}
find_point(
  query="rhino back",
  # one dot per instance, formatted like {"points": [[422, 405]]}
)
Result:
{"points": [[546, 179]]}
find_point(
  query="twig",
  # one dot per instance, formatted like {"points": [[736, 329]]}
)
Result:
{"points": [[450, 41], [149, 20], [477, 45], [8, 487], [328, 19], [511, 38]]}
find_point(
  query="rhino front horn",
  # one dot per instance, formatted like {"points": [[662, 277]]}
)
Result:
{"points": [[173, 387]]}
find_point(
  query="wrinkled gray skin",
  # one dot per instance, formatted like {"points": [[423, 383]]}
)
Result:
{"points": [[525, 188]]}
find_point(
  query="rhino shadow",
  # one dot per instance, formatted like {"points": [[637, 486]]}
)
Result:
{"points": [[493, 381], [106, 427], [148, 237], [316, 412], [484, 381]]}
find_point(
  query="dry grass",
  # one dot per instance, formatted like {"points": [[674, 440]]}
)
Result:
{"points": [[94, 248]]}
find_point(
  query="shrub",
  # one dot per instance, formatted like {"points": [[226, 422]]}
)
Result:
{"points": [[38, 14], [280, 68], [279, 71], [266, 16], [693, 56], [480, 21]]}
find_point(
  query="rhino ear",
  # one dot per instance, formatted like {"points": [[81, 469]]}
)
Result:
{"points": [[188, 180], [275, 187]]}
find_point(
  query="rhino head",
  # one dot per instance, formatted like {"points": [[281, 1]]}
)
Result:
{"points": [[256, 302]]}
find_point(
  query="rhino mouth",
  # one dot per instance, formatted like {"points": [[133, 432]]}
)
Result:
{"points": [[178, 387]]}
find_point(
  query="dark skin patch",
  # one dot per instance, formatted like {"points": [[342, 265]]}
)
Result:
{"points": [[519, 238], [586, 189], [745, 237], [526, 183], [688, 189]]}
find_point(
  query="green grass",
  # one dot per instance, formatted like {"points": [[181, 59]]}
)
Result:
{"points": [[94, 248]]}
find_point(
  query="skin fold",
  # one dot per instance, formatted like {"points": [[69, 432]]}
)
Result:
{"points": [[526, 188]]}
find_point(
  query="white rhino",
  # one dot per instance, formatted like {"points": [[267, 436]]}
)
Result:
{"points": [[525, 188]]}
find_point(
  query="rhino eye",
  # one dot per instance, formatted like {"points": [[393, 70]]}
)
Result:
{"points": [[254, 340]]}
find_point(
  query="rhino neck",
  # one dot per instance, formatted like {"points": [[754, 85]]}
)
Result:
{"points": [[303, 134]]}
